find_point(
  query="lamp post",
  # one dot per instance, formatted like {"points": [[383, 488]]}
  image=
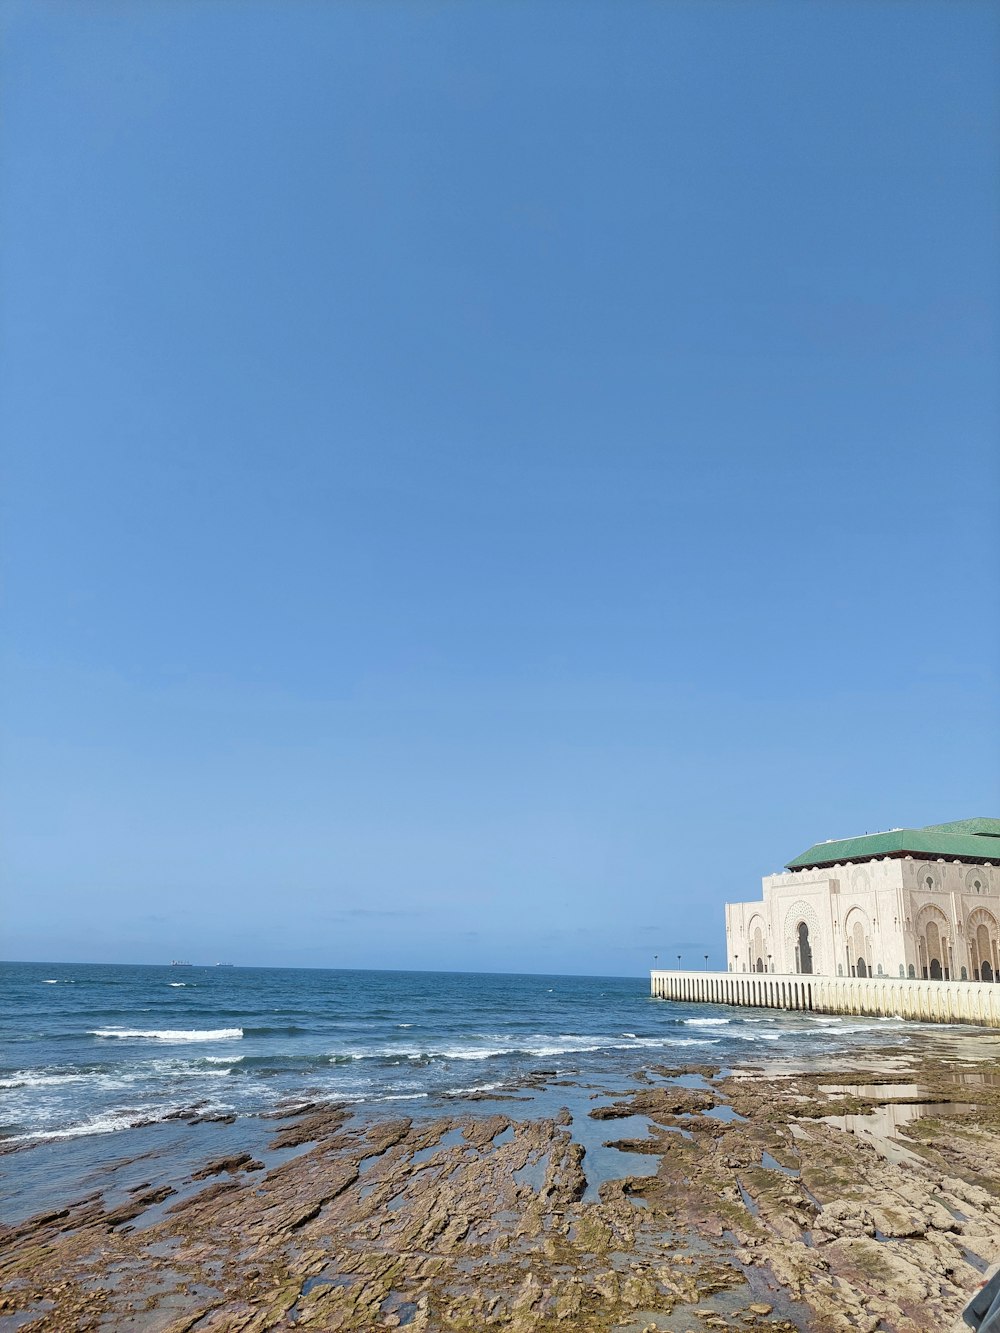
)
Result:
{"points": [[769, 962], [706, 962]]}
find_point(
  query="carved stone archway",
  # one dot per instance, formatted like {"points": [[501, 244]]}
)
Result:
{"points": [[983, 935], [799, 914], [858, 940], [757, 940], [934, 943]]}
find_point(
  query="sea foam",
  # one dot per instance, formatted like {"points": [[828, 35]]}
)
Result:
{"points": [[169, 1034]]}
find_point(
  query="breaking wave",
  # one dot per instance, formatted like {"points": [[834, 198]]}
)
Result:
{"points": [[169, 1034]]}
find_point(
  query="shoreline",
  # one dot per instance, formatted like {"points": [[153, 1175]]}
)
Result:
{"points": [[857, 1193]]}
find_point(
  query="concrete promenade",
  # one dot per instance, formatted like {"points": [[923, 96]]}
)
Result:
{"points": [[881, 997]]}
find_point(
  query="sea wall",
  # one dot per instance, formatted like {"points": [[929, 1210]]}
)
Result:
{"points": [[932, 1001]]}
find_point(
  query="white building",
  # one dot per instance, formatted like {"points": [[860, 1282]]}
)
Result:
{"points": [[921, 903]]}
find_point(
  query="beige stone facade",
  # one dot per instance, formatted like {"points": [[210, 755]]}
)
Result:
{"points": [[894, 916]]}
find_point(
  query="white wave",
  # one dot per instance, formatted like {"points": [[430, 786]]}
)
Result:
{"points": [[535, 1048], [176, 983], [705, 1022], [27, 1078], [101, 1124], [108, 1122], [629, 1034], [222, 1059], [50, 981], [404, 1025], [169, 1034]]}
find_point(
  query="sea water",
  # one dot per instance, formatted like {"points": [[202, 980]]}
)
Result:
{"points": [[94, 1049]]}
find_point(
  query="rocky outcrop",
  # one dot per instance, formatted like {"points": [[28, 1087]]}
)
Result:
{"points": [[478, 1221]]}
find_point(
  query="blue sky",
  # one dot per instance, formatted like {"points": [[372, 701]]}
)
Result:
{"points": [[486, 482]]}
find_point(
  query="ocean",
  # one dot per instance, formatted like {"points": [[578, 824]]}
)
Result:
{"points": [[92, 1050]]}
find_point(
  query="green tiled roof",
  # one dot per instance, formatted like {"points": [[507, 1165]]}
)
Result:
{"points": [[989, 827], [963, 840]]}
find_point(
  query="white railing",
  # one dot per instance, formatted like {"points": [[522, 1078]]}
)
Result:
{"points": [[884, 997]]}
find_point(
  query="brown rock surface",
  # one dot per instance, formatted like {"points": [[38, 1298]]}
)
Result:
{"points": [[779, 1220]]}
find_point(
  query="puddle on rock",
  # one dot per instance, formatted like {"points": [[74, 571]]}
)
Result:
{"points": [[533, 1172], [404, 1310], [873, 1091], [880, 1127], [324, 1279], [600, 1162], [450, 1140], [772, 1164], [10, 1322], [973, 1080], [749, 1203], [724, 1113]]}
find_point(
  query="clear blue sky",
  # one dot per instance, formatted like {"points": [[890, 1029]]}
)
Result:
{"points": [[484, 483]]}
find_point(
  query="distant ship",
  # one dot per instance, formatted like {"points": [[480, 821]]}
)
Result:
{"points": [[225, 965], [179, 962]]}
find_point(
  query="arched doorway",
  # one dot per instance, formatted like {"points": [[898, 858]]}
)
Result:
{"points": [[933, 944], [758, 949], [984, 944], [803, 949], [934, 951], [859, 944]]}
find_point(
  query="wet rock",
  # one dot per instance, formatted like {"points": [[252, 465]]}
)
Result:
{"points": [[401, 1223], [310, 1123], [242, 1161], [138, 1204]]}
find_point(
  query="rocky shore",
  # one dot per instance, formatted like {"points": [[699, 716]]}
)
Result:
{"points": [[838, 1200]]}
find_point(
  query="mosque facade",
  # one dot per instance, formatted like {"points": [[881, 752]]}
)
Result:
{"points": [[915, 903]]}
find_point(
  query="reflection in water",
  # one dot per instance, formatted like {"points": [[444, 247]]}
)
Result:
{"points": [[872, 1091], [880, 1126], [974, 1080]]}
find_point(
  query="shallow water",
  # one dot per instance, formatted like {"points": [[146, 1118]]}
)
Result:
{"points": [[881, 1127], [90, 1052], [94, 1049]]}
